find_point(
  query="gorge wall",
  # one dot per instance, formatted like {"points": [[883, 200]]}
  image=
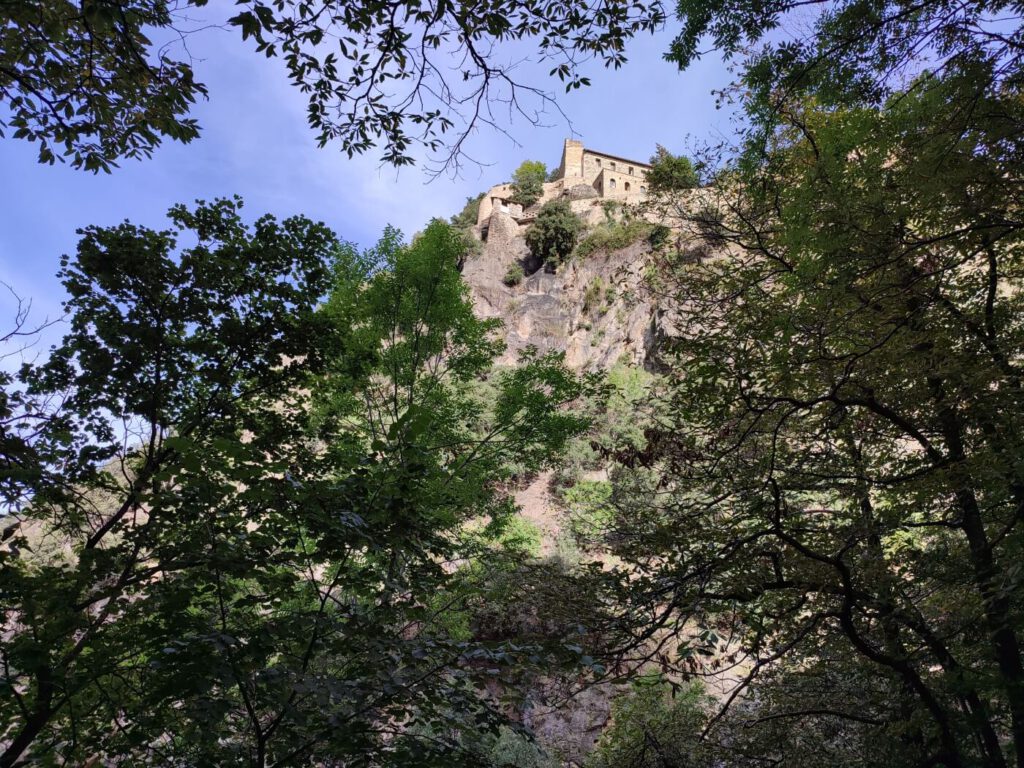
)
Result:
{"points": [[597, 310]]}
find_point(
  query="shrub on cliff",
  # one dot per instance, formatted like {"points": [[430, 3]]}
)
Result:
{"points": [[466, 218], [528, 182], [514, 275], [611, 236], [553, 235], [464, 221], [670, 173]]}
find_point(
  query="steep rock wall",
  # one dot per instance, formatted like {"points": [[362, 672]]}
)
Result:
{"points": [[597, 310]]}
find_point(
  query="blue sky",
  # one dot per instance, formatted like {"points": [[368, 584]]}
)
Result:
{"points": [[256, 143]]}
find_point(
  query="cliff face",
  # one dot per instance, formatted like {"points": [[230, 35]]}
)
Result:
{"points": [[600, 311], [597, 310]]}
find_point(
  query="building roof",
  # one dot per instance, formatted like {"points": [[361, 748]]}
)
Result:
{"points": [[616, 157]]}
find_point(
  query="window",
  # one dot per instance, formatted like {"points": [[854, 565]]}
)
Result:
{"points": [[631, 170], [612, 166], [627, 186], [611, 183], [598, 161], [643, 190]]}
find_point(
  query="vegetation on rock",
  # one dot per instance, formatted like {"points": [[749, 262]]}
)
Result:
{"points": [[514, 275], [613, 235], [528, 182], [464, 222], [553, 234]]}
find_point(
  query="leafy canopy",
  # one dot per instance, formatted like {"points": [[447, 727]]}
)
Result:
{"points": [[670, 173], [554, 232], [528, 182], [846, 53], [86, 81], [831, 495], [232, 492]]}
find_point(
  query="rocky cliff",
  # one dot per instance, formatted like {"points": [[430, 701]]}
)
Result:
{"points": [[597, 310], [600, 312]]}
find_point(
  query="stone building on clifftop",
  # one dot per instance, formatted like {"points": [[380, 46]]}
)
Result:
{"points": [[583, 174]]}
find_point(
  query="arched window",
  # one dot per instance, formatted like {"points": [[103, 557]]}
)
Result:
{"points": [[643, 190], [611, 183], [627, 186]]}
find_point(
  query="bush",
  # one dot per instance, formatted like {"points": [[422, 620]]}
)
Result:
{"points": [[598, 296], [589, 511], [670, 173], [464, 221], [554, 233], [514, 276], [612, 235], [528, 182], [651, 708], [467, 217], [659, 235], [611, 209], [513, 749], [520, 535], [449, 616]]}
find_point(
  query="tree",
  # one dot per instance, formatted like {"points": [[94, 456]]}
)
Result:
{"points": [[528, 182], [246, 472], [850, 53], [654, 726], [835, 482], [670, 174], [554, 232], [465, 220], [167, 356], [374, 73], [84, 83]]}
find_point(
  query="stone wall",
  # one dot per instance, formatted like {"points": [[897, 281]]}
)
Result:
{"points": [[501, 192], [594, 163], [617, 185]]}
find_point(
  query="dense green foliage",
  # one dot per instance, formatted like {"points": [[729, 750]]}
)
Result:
{"points": [[258, 503], [513, 275], [528, 182], [225, 539], [619, 412], [655, 726], [553, 234], [464, 221], [87, 80], [466, 218], [835, 481], [845, 53], [670, 174], [613, 235]]}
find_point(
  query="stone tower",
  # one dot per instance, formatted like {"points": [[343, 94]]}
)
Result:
{"points": [[571, 168]]}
